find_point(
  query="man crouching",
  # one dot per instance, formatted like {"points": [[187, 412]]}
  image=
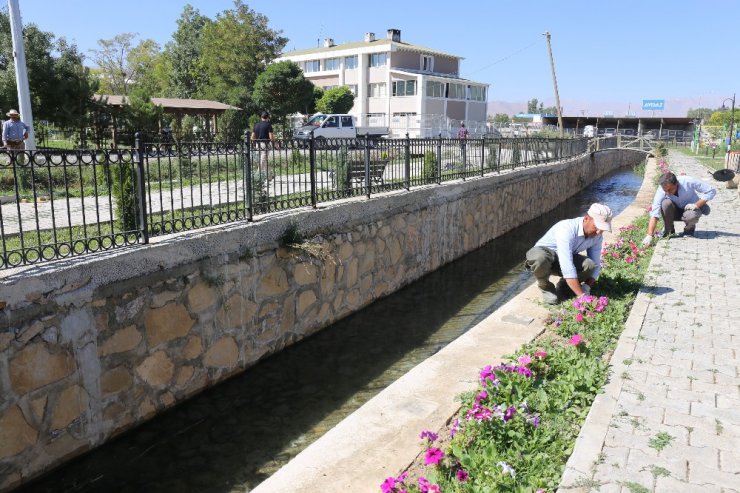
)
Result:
{"points": [[559, 250]]}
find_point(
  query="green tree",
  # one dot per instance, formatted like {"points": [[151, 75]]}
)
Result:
{"points": [[532, 105], [700, 112], [501, 118], [237, 47], [282, 89], [123, 64], [184, 54], [61, 87], [336, 100]]}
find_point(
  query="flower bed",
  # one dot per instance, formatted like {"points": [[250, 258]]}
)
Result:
{"points": [[515, 432]]}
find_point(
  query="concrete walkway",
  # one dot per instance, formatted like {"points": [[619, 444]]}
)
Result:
{"points": [[669, 420]]}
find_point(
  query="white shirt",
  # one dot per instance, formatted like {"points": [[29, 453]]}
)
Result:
{"points": [[567, 238]]}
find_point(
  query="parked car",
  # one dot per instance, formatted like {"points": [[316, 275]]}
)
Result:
{"points": [[337, 126]]}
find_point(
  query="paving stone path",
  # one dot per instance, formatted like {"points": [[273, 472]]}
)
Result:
{"points": [[669, 420]]}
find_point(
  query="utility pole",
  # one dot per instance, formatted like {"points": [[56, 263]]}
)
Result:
{"points": [[555, 84], [21, 75]]}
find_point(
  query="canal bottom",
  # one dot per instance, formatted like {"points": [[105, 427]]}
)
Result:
{"points": [[233, 436]]}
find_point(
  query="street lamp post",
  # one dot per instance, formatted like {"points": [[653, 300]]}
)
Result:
{"points": [[732, 121]]}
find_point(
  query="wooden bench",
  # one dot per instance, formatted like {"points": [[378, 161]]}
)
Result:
{"points": [[357, 172]]}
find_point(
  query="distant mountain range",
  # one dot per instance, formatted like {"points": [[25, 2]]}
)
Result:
{"points": [[678, 107]]}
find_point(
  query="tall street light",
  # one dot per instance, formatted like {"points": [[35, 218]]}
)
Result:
{"points": [[555, 83], [732, 121]]}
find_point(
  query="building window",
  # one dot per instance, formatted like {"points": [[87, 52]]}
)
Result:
{"points": [[435, 89], [313, 66], [350, 62], [427, 63], [477, 93], [456, 91], [376, 90], [331, 64], [398, 114], [353, 89], [404, 88], [326, 88], [378, 59]]}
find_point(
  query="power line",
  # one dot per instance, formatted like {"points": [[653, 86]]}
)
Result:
{"points": [[506, 57]]}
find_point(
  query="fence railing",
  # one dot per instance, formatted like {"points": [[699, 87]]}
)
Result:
{"points": [[56, 204]]}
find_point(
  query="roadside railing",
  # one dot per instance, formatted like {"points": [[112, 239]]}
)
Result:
{"points": [[56, 204]]}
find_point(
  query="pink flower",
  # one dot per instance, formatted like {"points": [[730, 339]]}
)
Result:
{"points": [[524, 359], [481, 396], [462, 475], [579, 317], [540, 355], [433, 455], [576, 340]]}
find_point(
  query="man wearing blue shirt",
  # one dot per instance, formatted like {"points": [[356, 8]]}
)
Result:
{"points": [[681, 197], [559, 252], [15, 132]]}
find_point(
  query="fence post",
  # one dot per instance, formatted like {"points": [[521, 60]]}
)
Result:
{"points": [[483, 156], [407, 161], [141, 185], [439, 160], [247, 153], [312, 169], [367, 165]]}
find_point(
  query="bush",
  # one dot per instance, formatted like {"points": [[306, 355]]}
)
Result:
{"points": [[124, 192], [429, 171]]}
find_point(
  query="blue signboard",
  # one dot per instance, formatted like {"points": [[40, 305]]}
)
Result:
{"points": [[653, 104]]}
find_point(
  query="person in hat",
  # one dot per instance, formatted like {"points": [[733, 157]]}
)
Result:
{"points": [[559, 250], [15, 132], [262, 135], [678, 198]]}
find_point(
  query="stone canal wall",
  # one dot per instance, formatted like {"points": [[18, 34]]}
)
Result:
{"points": [[91, 346]]}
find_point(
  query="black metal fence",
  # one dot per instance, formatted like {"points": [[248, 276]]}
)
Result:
{"points": [[56, 204]]}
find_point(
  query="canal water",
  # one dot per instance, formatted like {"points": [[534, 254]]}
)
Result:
{"points": [[233, 436]]}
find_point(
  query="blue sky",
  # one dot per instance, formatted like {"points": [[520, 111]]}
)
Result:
{"points": [[606, 53]]}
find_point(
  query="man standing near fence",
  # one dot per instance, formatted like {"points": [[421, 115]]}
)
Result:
{"points": [[462, 134], [15, 132], [263, 136]]}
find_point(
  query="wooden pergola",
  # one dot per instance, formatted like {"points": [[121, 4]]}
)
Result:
{"points": [[178, 107]]}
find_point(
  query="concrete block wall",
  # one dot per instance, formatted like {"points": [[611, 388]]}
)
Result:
{"points": [[94, 345]]}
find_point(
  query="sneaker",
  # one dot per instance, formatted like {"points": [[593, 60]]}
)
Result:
{"points": [[563, 290], [689, 232]]}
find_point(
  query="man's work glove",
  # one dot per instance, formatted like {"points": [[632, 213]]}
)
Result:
{"points": [[647, 240], [690, 207]]}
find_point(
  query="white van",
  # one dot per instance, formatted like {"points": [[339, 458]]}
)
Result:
{"points": [[589, 131]]}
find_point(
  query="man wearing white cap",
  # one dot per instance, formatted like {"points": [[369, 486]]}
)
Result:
{"points": [[15, 132], [559, 250]]}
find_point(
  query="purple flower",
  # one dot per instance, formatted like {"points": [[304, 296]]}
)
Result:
{"points": [[388, 485], [534, 419], [462, 475], [426, 487], [433, 455], [429, 435], [524, 359], [481, 396], [510, 412], [455, 427]]}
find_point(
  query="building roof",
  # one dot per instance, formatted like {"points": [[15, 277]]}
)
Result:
{"points": [[171, 104], [397, 45]]}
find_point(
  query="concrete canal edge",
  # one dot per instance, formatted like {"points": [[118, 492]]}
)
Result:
{"points": [[381, 438]]}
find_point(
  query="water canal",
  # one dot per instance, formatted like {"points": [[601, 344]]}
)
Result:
{"points": [[233, 436]]}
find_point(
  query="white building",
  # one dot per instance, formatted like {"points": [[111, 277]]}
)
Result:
{"points": [[407, 87]]}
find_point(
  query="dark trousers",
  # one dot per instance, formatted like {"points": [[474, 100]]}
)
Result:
{"points": [[671, 214], [543, 262]]}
